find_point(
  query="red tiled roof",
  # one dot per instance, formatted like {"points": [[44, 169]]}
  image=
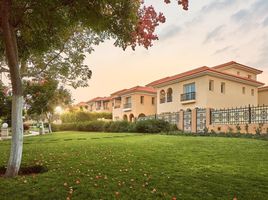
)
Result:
{"points": [[82, 104], [263, 88], [139, 89], [197, 71], [239, 65], [184, 74], [118, 92], [100, 99]]}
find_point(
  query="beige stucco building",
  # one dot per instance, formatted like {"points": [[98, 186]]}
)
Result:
{"points": [[223, 86], [100, 104], [130, 104], [263, 96]]}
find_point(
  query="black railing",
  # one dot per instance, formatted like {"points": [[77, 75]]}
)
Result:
{"points": [[243, 115], [163, 100], [127, 105], [188, 96]]}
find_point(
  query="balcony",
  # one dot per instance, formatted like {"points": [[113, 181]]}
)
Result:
{"points": [[188, 97], [127, 107]]}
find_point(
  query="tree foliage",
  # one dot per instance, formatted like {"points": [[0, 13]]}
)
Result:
{"points": [[42, 97], [49, 38]]}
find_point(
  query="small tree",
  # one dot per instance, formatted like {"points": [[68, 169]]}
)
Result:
{"points": [[42, 97]]}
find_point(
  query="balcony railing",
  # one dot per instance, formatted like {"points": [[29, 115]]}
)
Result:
{"points": [[188, 96], [117, 106], [127, 105]]}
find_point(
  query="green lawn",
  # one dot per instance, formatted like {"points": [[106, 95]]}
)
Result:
{"points": [[135, 166]]}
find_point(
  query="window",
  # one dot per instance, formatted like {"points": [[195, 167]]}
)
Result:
{"points": [[169, 95], [153, 100], [189, 88], [162, 96], [105, 105], [249, 76], [142, 100], [189, 92], [252, 92], [222, 88], [243, 90], [211, 85]]}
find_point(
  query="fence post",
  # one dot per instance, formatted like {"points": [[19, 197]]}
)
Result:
{"points": [[194, 120], [249, 113], [181, 120]]}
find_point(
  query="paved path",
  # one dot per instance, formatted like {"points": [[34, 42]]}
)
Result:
{"points": [[32, 133]]}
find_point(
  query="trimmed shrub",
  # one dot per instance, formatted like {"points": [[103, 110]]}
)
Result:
{"points": [[153, 126], [147, 126]]}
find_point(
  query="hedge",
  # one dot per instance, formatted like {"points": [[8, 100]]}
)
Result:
{"points": [[146, 126], [82, 116]]}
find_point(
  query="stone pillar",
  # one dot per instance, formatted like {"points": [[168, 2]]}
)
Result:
{"points": [[4, 132], [208, 117], [181, 118], [194, 120]]}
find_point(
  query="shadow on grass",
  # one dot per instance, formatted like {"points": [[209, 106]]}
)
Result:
{"points": [[31, 170]]}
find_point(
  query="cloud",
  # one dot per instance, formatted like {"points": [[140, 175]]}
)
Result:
{"points": [[218, 5], [170, 32], [214, 34], [265, 22], [223, 50], [241, 15]]}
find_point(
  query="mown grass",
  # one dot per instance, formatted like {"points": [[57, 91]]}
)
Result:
{"points": [[135, 166]]}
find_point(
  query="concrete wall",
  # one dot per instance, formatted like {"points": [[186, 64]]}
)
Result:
{"points": [[233, 128], [263, 97], [233, 96], [242, 73]]}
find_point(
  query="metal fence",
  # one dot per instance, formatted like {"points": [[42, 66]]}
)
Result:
{"points": [[172, 118], [244, 115]]}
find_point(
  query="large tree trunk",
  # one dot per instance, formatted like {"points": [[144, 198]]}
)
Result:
{"points": [[11, 50]]}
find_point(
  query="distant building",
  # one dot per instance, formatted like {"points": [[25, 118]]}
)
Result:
{"points": [[263, 96], [100, 104], [130, 104]]}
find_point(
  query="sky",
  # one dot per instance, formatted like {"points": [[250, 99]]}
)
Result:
{"points": [[211, 32]]}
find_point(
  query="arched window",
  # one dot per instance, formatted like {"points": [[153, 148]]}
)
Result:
{"points": [[125, 118], [169, 95], [131, 117], [162, 96], [141, 115]]}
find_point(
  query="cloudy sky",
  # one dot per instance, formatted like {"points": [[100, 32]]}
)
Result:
{"points": [[210, 33]]}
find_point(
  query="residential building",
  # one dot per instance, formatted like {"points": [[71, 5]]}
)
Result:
{"points": [[263, 96], [83, 106], [228, 85], [100, 104], [130, 104]]}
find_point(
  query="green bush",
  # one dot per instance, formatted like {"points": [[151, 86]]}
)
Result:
{"points": [[147, 126], [153, 126], [82, 116]]}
